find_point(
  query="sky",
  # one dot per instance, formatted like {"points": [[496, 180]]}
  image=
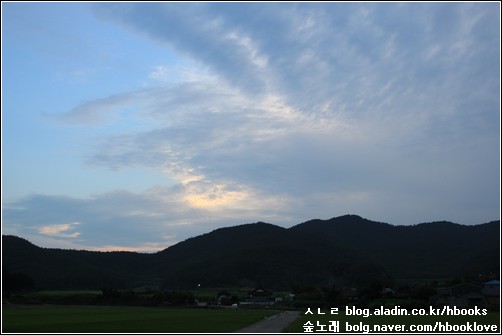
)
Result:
{"points": [[134, 126]]}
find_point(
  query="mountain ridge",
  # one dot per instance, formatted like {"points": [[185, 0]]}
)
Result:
{"points": [[345, 250]]}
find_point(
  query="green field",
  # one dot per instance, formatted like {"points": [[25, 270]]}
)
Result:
{"points": [[493, 318], [98, 319]]}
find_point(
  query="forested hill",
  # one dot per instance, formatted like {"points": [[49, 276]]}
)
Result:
{"points": [[427, 250], [346, 250]]}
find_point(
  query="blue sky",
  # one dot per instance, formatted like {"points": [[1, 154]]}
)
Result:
{"points": [[133, 126]]}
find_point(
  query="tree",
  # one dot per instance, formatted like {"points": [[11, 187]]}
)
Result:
{"points": [[16, 282]]}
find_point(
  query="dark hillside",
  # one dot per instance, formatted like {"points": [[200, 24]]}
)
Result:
{"points": [[74, 269], [427, 250], [261, 253], [345, 251]]}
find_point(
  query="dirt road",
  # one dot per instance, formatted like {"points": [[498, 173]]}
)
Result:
{"points": [[273, 324]]}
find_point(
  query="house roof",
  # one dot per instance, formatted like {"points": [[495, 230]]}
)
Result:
{"points": [[473, 295], [492, 282], [260, 291], [466, 284], [224, 293]]}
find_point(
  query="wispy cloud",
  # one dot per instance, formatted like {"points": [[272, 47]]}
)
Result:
{"points": [[159, 217], [100, 110], [60, 230], [300, 110], [160, 73], [341, 102]]}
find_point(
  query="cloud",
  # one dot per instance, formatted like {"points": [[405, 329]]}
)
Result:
{"points": [[60, 230], [285, 112], [160, 73], [143, 221], [226, 149], [342, 103], [357, 61], [143, 248], [98, 111]]}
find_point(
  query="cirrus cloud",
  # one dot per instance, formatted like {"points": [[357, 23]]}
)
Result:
{"points": [[300, 110]]}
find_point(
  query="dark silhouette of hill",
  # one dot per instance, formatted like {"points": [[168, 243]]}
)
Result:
{"points": [[346, 250], [260, 253], [427, 250], [73, 269]]}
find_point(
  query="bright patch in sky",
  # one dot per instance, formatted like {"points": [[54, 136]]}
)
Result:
{"points": [[132, 126], [61, 230]]}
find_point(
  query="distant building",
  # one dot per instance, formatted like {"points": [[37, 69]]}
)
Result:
{"points": [[388, 292], [290, 297], [459, 289], [258, 296], [463, 295], [491, 290], [224, 298]]}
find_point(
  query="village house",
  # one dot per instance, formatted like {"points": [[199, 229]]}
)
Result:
{"points": [[224, 298], [463, 295], [258, 296], [491, 291]]}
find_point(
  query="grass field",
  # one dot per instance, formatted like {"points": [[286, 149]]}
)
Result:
{"points": [[97, 319], [75, 297], [493, 318]]}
